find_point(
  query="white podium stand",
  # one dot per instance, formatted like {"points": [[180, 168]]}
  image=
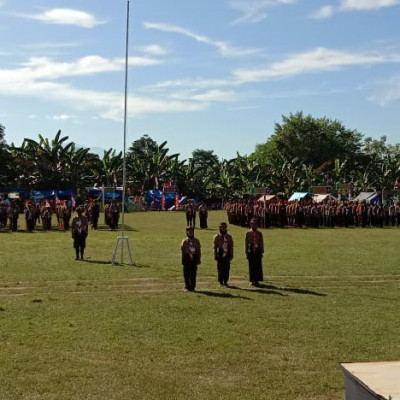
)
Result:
{"points": [[372, 380]]}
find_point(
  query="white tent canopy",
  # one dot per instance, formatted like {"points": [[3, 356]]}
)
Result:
{"points": [[368, 196], [267, 197], [319, 198]]}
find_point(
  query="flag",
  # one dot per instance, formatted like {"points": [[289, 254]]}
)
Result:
{"points": [[73, 201]]}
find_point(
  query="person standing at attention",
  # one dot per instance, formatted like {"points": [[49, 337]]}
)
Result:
{"points": [[223, 253], [191, 258], [79, 227], [203, 215], [254, 248]]}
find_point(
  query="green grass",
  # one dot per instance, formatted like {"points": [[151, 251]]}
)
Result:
{"points": [[91, 330]]}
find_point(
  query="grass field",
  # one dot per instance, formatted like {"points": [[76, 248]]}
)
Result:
{"points": [[91, 330]]}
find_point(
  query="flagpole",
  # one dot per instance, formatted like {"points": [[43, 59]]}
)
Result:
{"points": [[124, 238], [125, 114]]}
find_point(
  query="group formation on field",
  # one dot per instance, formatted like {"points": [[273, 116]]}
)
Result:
{"points": [[309, 213], [40, 214]]}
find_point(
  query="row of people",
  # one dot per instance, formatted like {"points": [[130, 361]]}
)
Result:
{"points": [[42, 213], [311, 214], [223, 254]]}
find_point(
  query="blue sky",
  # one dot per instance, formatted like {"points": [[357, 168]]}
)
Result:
{"points": [[203, 74]]}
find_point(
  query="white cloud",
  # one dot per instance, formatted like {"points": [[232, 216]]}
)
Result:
{"points": [[61, 117], [353, 5], [224, 48], [324, 12], [212, 95], [387, 91], [153, 49], [366, 4], [49, 45], [254, 11], [46, 68], [65, 16], [38, 79], [215, 95], [318, 60]]}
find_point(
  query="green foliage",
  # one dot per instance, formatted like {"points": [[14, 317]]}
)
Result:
{"points": [[302, 152], [315, 141], [148, 162], [6, 171], [90, 330]]}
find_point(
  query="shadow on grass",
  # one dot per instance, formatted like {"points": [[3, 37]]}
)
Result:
{"points": [[95, 261], [223, 295], [294, 290], [258, 290], [116, 264], [107, 228]]}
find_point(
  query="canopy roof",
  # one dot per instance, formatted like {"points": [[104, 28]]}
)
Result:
{"points": [[367, 196], [267, 197], [298, 196], [319, 198]]}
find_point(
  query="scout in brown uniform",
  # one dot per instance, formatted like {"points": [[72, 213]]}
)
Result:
{"points": [[223, 253], [203, 215], [29, 217], [190, 214], [254, 248], [191, 258], [79, 229]]}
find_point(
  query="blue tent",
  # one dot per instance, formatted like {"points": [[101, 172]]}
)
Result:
{"points": [[298, 196], [42, 194], [369, 197]]}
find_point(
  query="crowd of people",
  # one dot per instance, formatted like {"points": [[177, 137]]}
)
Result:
{"points": [[40, 214], [299, 213], [251, 214]]}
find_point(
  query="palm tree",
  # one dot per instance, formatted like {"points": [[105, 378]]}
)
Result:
{"points": [[150, 162]]}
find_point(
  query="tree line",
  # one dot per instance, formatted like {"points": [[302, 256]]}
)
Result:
{"points": [[303, 152]]}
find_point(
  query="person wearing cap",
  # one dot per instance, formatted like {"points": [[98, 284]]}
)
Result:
{"points": [[254, 248], [191, 258], [79, 227], [223, 253]]}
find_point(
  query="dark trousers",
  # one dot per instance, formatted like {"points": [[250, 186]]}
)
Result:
{"points": [[30, 223], [79, 244], [189, 275], [255, 268], [223, 267]]}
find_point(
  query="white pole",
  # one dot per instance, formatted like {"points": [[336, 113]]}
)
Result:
{"points": [[122, 238], [125, 114]]}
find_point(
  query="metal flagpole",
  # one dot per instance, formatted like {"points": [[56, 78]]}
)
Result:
{"points": [[122, 240]]}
